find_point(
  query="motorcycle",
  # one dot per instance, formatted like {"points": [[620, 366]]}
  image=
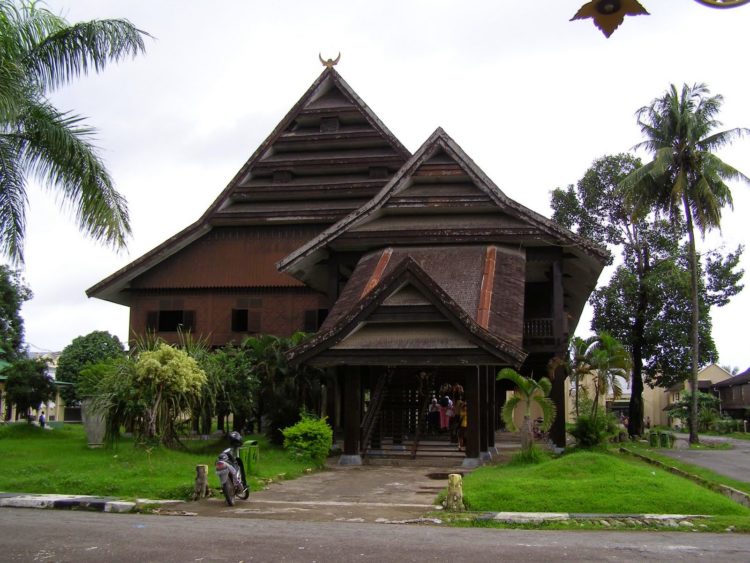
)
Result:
{"points": [[231, 471]]}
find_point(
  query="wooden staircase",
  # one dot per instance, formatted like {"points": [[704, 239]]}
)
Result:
{"points": [[433, 451]]}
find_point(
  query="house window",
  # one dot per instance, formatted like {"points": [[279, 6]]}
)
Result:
{"points": [[170, 320], [244, 320]]}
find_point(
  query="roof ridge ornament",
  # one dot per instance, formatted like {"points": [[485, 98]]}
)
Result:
{"points": [[330, 63]]}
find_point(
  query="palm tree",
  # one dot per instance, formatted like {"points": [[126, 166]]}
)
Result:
{"points": [[527, 391], [579, 365], [39, 52], [685, 180], [609, 361]]}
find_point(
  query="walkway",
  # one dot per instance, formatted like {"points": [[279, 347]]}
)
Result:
{"points": [[734, 463], [368, 493]]}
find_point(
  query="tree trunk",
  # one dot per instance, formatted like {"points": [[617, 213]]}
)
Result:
{"points": [[635, 408], [527, 437], [695, 313], [206, 421]]}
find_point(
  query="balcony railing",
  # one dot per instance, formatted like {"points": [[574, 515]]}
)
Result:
{"points": [[534, 329]]}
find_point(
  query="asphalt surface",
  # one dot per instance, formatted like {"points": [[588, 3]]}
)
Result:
{"points": [[51, 535], [734, 463]]}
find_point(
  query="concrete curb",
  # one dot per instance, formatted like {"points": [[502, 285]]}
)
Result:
{"points": [[78, 502]]}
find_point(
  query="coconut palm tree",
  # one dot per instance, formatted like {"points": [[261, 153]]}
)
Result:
{"points": [[528, 391], [685, 180], [39, 52]]}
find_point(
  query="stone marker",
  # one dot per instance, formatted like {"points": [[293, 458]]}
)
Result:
{"points": [[201, 483], [454, 501]]}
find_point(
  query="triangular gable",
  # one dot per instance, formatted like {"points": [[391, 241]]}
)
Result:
{"points": [[407, 285], [440, 155], [328, 92]]}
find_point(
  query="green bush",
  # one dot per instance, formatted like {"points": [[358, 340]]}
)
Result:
{"points": [[726, 425], [590, 432], [310, 438]]}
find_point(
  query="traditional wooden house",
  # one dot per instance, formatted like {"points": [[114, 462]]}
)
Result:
{"points": [[427, 274], [734, 394]]}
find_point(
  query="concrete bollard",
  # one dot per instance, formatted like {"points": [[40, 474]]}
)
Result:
{"points": [[454, 501], [201, 489]]}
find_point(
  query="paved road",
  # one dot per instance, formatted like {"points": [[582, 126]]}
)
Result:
{"points": [[734, 463], [48, 535]]}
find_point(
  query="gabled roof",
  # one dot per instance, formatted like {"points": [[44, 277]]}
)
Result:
{"points": [[308, 195], [740, 379], [301, 262], [440, 196], [371, 328]]}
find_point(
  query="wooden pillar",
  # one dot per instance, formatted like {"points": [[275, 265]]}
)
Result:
{"points": [[483, 434], [557, 431], [558, 311], [377, 432], [472, 401], [491, 409], [398, 418], [352, 411]]}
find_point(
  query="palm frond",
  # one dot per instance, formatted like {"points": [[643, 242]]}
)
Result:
{"points": [[507, 413], [514, 377], [75, 50], [545, 385], [549, 411], [56, 148], [13, 200]]}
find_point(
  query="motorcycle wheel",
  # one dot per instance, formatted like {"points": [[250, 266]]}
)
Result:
{"points": [[228, 489], [245, 493]]}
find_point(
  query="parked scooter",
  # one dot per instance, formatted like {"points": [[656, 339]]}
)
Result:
{"points": [[231, 471]]}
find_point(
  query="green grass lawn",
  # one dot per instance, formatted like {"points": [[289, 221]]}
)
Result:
{"points": [[58, 461], [587, 482]]}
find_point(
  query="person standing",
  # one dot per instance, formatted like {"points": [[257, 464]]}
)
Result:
{"points": [[462, 413], [42, 420]]}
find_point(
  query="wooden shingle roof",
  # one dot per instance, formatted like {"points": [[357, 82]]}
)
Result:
{"points": [[399, 313]]}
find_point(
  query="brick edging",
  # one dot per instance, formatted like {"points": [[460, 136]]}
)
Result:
{"points": [[729, 492]]}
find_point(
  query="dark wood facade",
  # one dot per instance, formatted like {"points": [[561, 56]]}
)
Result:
{"points": [[425, 271], [328, 156], [734, 394]]}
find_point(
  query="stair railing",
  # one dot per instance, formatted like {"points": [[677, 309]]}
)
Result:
{"points": [[373, 413]]}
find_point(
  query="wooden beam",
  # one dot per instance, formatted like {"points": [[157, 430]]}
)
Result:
{"points": [[472, 401], [352, 411]]}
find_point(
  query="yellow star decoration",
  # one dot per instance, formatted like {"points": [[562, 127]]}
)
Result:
{"points": [[609, 14]]}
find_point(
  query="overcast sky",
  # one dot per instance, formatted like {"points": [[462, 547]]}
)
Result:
{"points": [[532, 97]]}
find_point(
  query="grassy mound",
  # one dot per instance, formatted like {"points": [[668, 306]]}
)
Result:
{"points": [[591, 483]]}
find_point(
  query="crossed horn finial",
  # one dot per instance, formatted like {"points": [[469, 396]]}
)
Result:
{"points": [[330, 62]]}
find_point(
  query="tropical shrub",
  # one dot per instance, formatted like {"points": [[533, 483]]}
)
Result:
{"points": [[527, 392], [727, 425], [149, 393], [311, 438], [592, 431]]}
